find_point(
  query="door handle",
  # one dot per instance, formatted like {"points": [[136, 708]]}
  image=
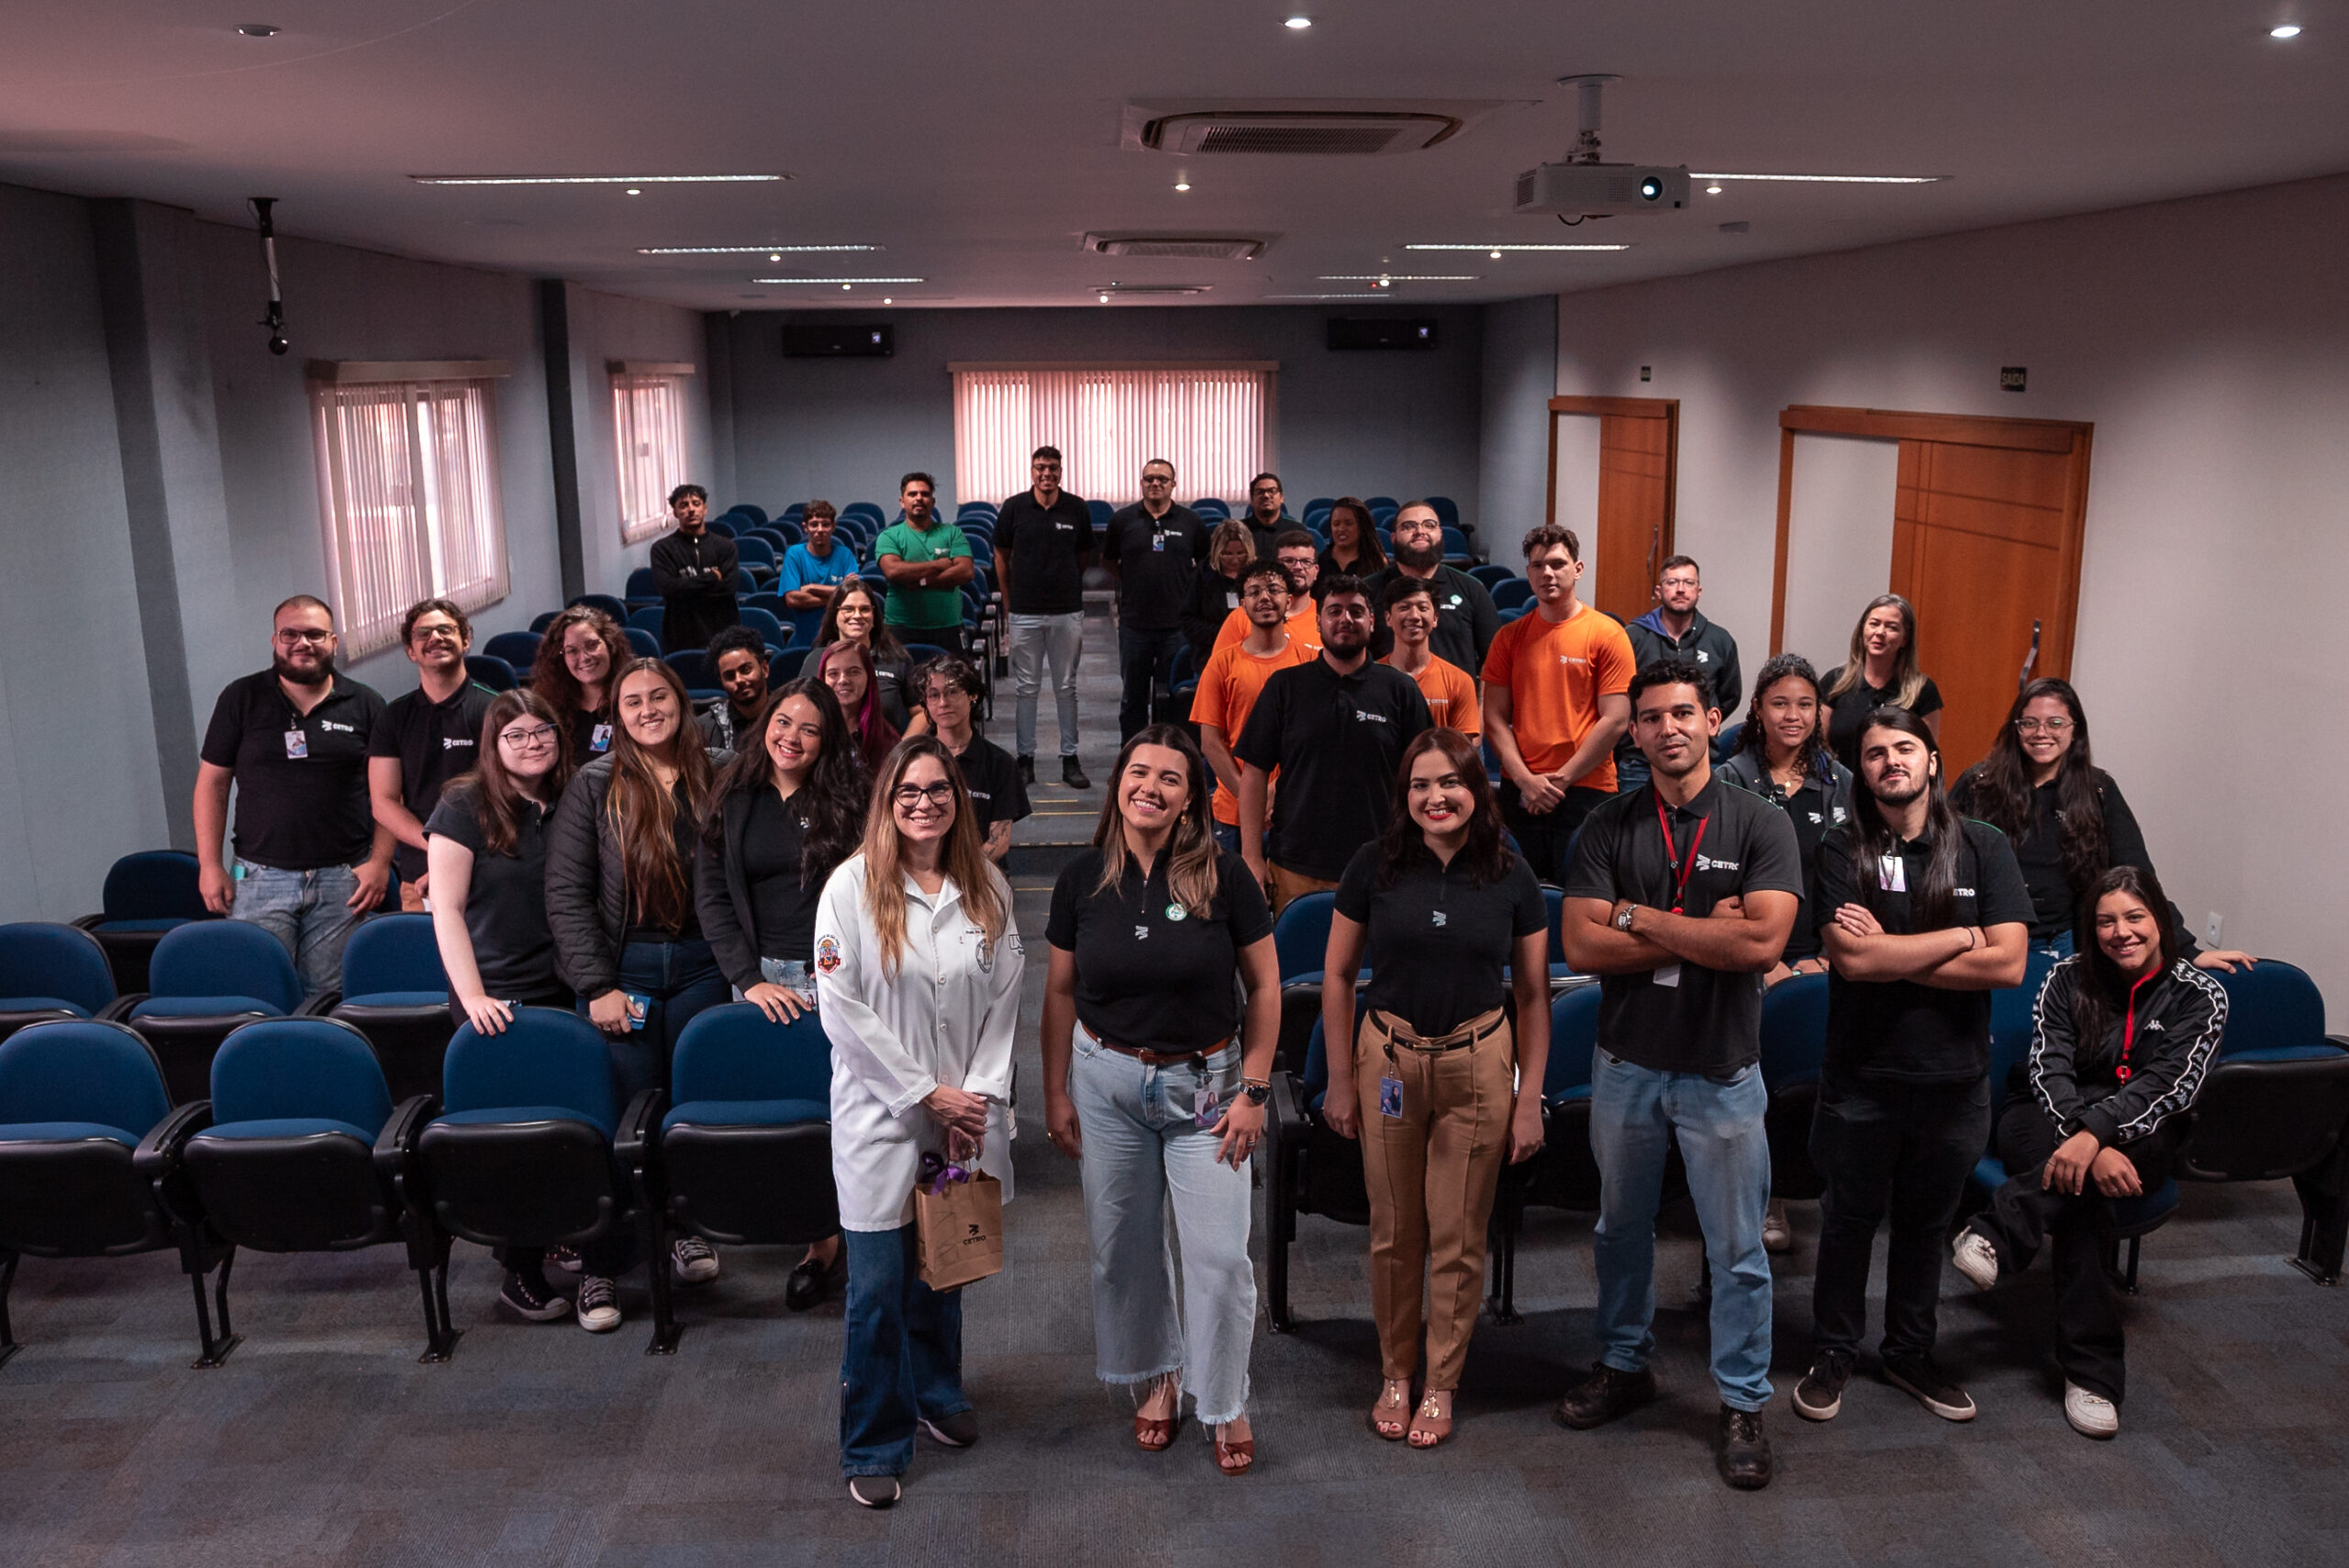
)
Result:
{"points": [[2030, 659]]}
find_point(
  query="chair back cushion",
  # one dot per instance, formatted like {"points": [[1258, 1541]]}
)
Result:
{"points": [[81, 1070], [300, 1069], [154, 884], [392, 953], [2271, 1007], [1574, 1035], [225, 958], [1794, 1031], [61, 962], [545, 1057], [1301, 935], [733, 1052]]}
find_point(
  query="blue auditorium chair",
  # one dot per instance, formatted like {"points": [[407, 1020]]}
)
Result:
{"points": [[769, 625], [303, 1152], [1563, 1173], [395, 992], [644, 619], [754, 551], [641, 590], [1301, 935], [1389, 502], [1312, 1170], [743, 508], [692, 666], [543, 620], [86, 1135], [604, 602], [642, 644], [519, 649], [208, 978], [1210, 509], [1492, 574], [146, 894], [1794, 1050], [1514, 594], [730, 524], [1455, 547], [1447, 510], [50, 972], [488, 670]]}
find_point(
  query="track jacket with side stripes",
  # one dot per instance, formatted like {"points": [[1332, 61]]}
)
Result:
{"points": [[2179, 1018]]}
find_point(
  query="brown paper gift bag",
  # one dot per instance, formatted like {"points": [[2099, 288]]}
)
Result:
{"points": [[960, 1229]]}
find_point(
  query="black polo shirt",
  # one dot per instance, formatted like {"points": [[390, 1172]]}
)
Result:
{"points": [[1336, 740], [1149, 973], [1847, 714], [1823, 802], [505, 903], [1435, 943], [434, 742], [1157, 561], [1684, 1017], [298, 813], [1465, 621], [992, 779], [1899, 1028], [1046, 548]]}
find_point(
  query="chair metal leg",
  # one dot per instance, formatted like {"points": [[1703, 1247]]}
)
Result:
{"points": [[8, 1346], [216, 1349], [440, 1330], [1507, 1215], [2123, 1274], [2324, 1220], [666, 1329]]}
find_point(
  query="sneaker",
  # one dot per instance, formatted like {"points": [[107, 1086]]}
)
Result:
{"points": [[598, 1304], [1605, 1394], [1820, 1395], [564, 1258], [1074, 775], [696, 1263], [1975, 1257], [1918, 1375], [2091, 1414], [960, 1430], [530, 1300], [1744, 1460], [1775, 1236], [874, 1491]]}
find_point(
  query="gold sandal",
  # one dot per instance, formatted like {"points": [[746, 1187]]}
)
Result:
{"points": [[1429, 1414], [1392, 1432]]}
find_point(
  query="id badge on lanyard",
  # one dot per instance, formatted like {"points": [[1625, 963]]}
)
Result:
{"points": [[297, 745]]}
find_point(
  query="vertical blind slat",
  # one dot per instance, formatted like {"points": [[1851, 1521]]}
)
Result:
{"points": [[1208, 424]]}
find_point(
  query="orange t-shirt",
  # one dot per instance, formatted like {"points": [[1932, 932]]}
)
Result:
{"points": [[1451, 692], [1227, 689], [1304, 627], [1555, 673]]}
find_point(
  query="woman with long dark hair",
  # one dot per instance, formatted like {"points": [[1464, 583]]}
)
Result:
{"points": [[1155, 1077], [856, 616], [790, 809], [485, 849], [1354, 541], [847, 669], [620, 899], [1881, 671], [1782, 756], [580, 654], [1438, 1085], [918, 966], [2040, 786], [2122, 1035]]}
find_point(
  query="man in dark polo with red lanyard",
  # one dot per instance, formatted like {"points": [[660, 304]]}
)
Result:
{"points": [[1680, 896]]}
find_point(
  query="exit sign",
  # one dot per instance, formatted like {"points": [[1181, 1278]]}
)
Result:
{"points": [[2011, 378]]}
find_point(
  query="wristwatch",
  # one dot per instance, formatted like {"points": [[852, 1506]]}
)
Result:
{"points": [[1258, 1090], [1623, 917]]}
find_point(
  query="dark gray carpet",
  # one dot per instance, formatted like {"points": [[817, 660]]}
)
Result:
{"points": [[323, 1441]]}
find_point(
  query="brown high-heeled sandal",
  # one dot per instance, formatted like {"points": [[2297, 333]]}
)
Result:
{"points": [[1235, 1457], [1391, 1430], [1423, 1424], [1156, 1433]]}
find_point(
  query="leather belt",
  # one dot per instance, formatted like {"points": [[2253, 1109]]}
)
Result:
{"points": [[1161, 1058], [1465, 1035]]}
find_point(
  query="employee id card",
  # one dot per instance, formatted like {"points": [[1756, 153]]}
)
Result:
{"points": [[600, 738], [297, 745], [1390, 1097], [1204, 1102], [1892, 874], [1668, 975]]}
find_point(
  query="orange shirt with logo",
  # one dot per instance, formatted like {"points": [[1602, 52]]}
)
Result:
{"points": [[1555, 673], [1229, 688], [1304, 627], [1451, 692]]}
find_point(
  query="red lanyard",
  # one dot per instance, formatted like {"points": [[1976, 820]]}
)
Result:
{"points": [[2128, 1023], [1680, 870]]}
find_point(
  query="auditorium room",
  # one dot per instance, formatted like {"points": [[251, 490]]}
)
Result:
{"points": [[1670, 648]]}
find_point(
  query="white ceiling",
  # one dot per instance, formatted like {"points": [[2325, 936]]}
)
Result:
{"points": [[977, 142]]}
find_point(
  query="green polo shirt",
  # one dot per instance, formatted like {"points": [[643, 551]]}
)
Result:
{"points": [[923, 609]]}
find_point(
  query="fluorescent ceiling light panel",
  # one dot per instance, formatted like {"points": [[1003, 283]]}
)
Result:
{"points": [[1492, 247], [743, 249], [1372, 293], [1399, 277], [593, 179], [1833, 179], [814, 281]]}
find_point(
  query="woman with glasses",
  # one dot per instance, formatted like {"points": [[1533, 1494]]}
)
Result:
{"points": [[485, 849], [855, 617], [577, 656], [917, 967], [2064, 815]]}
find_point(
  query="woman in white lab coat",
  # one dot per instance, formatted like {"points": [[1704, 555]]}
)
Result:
{"points": [[917, 969]]}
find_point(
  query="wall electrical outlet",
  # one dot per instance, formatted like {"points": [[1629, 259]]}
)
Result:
{"points": [[2212, 926]]}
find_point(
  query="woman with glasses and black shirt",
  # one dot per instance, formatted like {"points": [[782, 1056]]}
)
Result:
{"points": [[485, 849], [790, 809], [1155, 931], [855, 617], [582, 651]]}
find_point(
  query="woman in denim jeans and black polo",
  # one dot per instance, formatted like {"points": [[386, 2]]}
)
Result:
{"points": [[1154, 932]]}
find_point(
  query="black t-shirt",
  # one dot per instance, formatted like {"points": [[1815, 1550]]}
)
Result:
{"points": [[2039, 851], [1046, 550], [1820, 803], [1465, 621], [782, 910], [434, 742], [1899, 1028], [1684, 1017], [1337, 740], [1435, 943], [591, 735], [297, 812], [1150, 974], [685, 832], [1157, 563], [992, 779], [1848, 713], [505, 903]]}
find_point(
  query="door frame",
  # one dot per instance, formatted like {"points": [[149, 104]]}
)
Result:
{"points": [[1665, 408], [2068, 436]]}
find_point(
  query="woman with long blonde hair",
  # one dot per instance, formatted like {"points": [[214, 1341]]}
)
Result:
{"points": [[1881, 671]]}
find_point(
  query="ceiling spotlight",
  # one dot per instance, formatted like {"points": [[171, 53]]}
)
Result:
{"points": [[1105, 299], [269, 30], [845, 287], [1496, 255], [634, 192], [775, 256], [886, 300], [1182, 184], [1297, 24], [2288, 30], [1714, 189]]}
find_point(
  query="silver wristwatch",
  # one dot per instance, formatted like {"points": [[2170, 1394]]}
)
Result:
{"points": [[1623, 917]]}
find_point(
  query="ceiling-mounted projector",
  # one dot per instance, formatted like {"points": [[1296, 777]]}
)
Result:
{"points": [[1584, 188]]}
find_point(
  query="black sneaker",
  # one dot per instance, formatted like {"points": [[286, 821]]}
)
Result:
{"points": [[1745, 1460], [960, 1430], [874, 1491], [1918, 1375], [1074, 775], [564, 1258], [1605, 1394], [1027, 770], [1820, 1395], [531, 1300]]}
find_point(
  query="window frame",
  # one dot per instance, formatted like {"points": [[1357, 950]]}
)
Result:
{"points": [[628, 379]]}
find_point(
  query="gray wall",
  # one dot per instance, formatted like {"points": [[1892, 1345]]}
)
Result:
{"points": [[1520, 373], [1398, 423]]}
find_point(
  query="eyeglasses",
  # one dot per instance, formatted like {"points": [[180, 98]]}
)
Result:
{"points": [[1263, 591], [292, 635], [527, 739], [907, 796], [434, 634], [1158, 479], [2042, 726]]}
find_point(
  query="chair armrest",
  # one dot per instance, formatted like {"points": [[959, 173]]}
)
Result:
{"points": [[640, 1127], [119, 1010], [89, 922], [321, 1005], [396, 1142], [158, 1154]]}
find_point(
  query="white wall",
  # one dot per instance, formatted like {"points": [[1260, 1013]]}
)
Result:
{"points": [[1513, 433], [2208, 341], [1839, 541]]}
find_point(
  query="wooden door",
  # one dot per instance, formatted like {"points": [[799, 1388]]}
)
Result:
{"points": [[1639, 441]]}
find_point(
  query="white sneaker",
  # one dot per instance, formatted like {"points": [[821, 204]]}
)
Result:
{"points": [[695, 1261], [598, 1304], [1976, 1258], [1775, 1236], [2091, 1414]]}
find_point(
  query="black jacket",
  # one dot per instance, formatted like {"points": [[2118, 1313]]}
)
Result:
{"points": [[1706, 645], [2179, 1018], [588, 885], [694, 578], [722, 897], [1204, 617]]}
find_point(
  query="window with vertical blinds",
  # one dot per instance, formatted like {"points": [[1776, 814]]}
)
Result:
{"points": [[407, 479], [649, 431], [1207, 420]]}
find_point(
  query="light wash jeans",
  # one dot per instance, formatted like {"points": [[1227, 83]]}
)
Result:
{"points": [[1635, 1113], [1034, 640], [1145, 1151], [310, 911]]}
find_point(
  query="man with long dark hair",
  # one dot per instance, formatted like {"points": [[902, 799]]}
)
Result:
{"points": [[1681, 894], [1923, 915]]}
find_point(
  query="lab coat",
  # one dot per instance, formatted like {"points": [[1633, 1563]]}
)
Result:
{"points": [[948, 1016]]}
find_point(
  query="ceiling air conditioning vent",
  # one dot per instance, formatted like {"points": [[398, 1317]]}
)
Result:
{"points": [[1308, 126], [1181, 247]]}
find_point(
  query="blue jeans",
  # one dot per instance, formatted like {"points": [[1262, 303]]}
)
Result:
{"points": [[1146, 1153], [1145, 663], [902, 1354], [1635, 1114], [681, 978], [1228, 835], [310, 911]]}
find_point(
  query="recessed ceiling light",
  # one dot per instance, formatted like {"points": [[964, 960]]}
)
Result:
{"points": [[594, 179], [886, 300], [1833, 179], [1105, 299], [1182, 184], [1494, 250], [634, 192], [1496, 255], [2288, 30], [269, 30], [772, 252], [842, 281], [1297, 24], [1714, 189], [1382, 279], [775, 256]]}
